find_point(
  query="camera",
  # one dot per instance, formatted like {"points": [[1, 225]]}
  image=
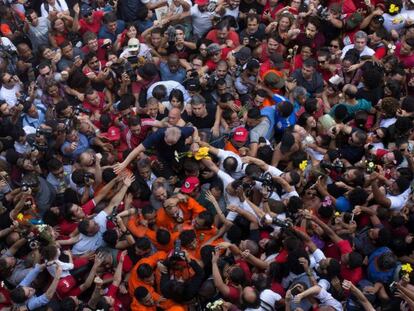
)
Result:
{"points": [[393, 287], [285, 224], [337, 166], [25, 187], [78, 109], [22, 98], [39, 147], [87, 176], [178, 253], [43, 131], [266, 179], [33, 242], [112, 216]]}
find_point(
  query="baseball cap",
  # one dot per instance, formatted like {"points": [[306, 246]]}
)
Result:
{"points": [[354, 21], [113, 134], [133, 45], [244, 54], [201, 2], [86, 11], [213, 48], [147, 71], [287, 142], [190, 184], [240, 134], [273, 80]]}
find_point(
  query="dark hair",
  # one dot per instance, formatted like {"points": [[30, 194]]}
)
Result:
{"points": [[254, 113], [109, 18], [208, 218], [110, 237], [83, 227], [143, 243], [17, 295], [187, 237], [355, 260], [177, 94], [144, 271], [163, 236], [357, 196], [140, 292], [237, 276], [285, 109]]}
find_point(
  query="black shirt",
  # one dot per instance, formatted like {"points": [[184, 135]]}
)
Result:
{"points": [[201, 123]]}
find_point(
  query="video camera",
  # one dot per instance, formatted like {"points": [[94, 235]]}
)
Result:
{"points": [[337, 165], [178, 253]]}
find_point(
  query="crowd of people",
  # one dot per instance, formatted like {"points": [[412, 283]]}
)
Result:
{"points": [[217, 155]]}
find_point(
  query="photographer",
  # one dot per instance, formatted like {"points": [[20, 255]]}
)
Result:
{"points": [[181, 290]]}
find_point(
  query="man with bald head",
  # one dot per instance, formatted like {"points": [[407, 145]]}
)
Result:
{"points": [[166, 142], [174, 118]]}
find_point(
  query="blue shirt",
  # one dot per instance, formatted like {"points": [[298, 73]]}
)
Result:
{"points": [[35, 122], [105, 34], [277, 122], [165, 151], [83, 145], [166, 74], [34, 302]]}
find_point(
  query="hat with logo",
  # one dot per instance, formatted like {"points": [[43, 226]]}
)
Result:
{"points": [[240, 134], [113, 134], [133, 45], [190, 184]]}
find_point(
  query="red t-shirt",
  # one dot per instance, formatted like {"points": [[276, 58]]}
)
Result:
{"points": [[234, 294], [100, 53], [407, 60], [94, 26], [233, 36], [112, 292], [67, 227]]}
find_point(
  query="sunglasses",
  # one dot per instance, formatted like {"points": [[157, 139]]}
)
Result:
{"points": [[321, 61], [132, 46], [334, 46]]}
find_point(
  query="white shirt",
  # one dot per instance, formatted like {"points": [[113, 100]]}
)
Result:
{"points": [[224, 154], [91, 243], [268, 299], [326, 298], [201, 21], [177, 9], [170, 85], [367, 51], [144, 51], [233, 200], [60, 6], [387, 122], [398, 201], [9, 95], [66, 267]]}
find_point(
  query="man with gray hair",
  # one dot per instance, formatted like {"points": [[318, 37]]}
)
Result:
{"points": [[166, 142], [360, 44]]}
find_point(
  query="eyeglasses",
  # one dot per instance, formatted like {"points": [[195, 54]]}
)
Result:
{"points": [[321, 61], [334, 46]]}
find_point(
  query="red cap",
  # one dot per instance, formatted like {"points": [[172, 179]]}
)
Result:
{"points": [[240, 134], [201, 2], [190, 184], [113, 134]]}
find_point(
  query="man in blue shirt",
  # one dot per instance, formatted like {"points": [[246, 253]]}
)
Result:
{"points": [[166, 142], [23, 294], [281, 115], [111, 27]]}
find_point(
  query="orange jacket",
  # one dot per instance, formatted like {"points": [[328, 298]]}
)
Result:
{"points": [[168, 305], [140, 231], [191, 208], [134, 281]]}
